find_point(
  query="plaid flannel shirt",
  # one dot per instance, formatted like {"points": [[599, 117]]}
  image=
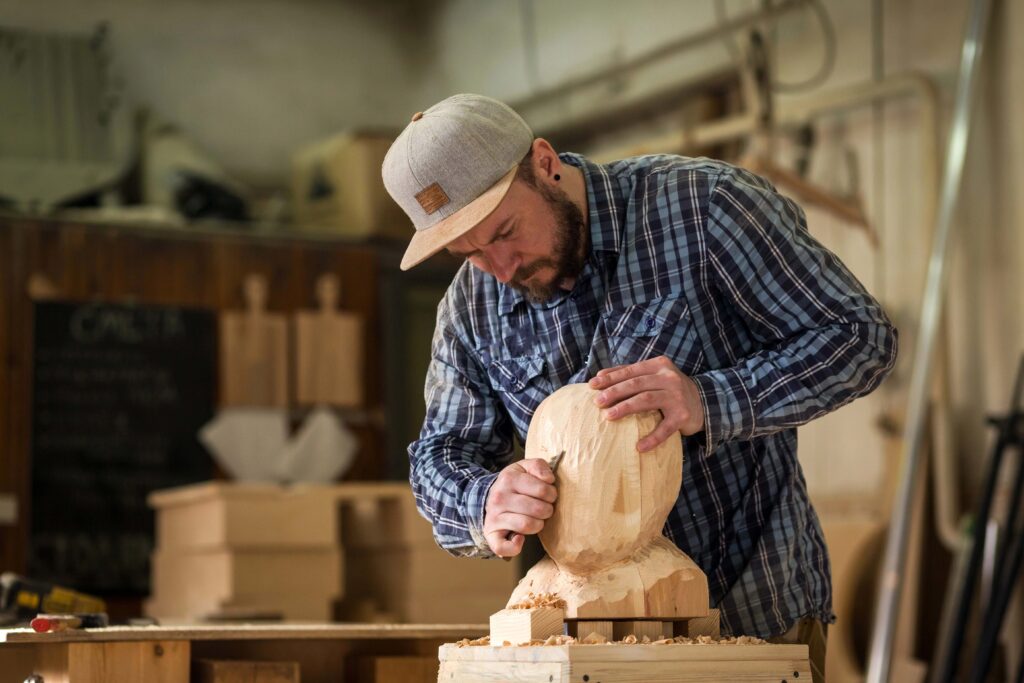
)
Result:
{"points": [[707, 264]]}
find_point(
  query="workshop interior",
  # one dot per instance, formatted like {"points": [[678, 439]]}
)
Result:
{"points": [[242, 440]]}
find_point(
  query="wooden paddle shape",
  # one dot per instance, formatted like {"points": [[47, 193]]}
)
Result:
{"points": [[328, 351], [254, 352]]}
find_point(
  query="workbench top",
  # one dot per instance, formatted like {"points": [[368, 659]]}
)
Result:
{"points": [[250, 632]]}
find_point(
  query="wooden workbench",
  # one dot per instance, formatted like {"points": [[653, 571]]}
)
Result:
{"points": [[326, 653], [618, 663]]}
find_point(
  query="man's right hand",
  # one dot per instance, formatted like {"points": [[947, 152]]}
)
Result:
{"points": [[520, 499]]}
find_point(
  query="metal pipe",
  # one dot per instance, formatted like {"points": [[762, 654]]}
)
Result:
{"points": [[657, 54], [950, 649], [890, 586], [802, 111]]}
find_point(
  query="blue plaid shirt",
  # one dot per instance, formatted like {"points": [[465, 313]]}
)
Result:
{"points": [[707, 264]]}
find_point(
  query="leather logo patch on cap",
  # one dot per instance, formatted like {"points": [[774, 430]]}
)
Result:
{"points": [[432, 198]]}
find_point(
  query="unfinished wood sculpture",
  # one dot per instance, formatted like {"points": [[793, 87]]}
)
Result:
{"points": [[606, 555]]}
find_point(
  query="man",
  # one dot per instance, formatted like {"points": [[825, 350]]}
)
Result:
{"points": [[682, 285]]}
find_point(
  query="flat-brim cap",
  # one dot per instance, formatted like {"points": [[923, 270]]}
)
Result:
{"points": [[451, 167]]}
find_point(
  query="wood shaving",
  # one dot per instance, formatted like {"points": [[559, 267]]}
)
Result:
{"points": [[535, 600], [711, 640], [597, 639], [466, 642]]}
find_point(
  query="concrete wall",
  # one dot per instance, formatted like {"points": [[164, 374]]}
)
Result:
{"points": [[251, 80]]}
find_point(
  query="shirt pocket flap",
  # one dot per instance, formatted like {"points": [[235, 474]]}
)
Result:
{"points": [[648, 319], [514, 374]]}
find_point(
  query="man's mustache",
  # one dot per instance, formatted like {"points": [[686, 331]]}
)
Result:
{"points": [[526, 272]]}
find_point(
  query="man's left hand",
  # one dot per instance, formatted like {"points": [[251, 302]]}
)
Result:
{"points": [[654, 384]]}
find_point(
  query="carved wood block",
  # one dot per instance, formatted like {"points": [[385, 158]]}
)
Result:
{"points": [[516, 626], [700, 626], [655, 630], [582, 629]]}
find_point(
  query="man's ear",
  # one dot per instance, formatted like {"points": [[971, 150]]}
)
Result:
{"points": [[545, 160]]}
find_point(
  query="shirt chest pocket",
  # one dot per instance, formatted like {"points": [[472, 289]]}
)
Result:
{"points": [[661, 327], [515, 375]]}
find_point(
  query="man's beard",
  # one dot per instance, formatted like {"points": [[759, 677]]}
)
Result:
{"points": [[568, 252]]}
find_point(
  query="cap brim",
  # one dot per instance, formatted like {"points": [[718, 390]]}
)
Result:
{"points": [[428, 241]]}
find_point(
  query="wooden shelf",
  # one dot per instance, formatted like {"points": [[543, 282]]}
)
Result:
{"points": [[251, 632]]}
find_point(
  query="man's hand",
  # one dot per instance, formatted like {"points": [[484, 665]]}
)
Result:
{"points": [[520, 499], [654, 384]]}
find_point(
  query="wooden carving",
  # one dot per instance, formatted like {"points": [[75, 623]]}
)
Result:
{"points": [[606, 555]]}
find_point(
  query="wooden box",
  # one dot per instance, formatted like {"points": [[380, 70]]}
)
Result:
{"points": [[427, 585], [381, 515], [337, 188], [396, 572], [298, 584], [677, 663], [217, 515]]}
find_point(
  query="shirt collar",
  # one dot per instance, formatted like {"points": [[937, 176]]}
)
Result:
{"points": [[605, 212]]}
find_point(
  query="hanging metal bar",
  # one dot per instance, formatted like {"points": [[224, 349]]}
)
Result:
{"points": [[890, 586], [657, 54]]}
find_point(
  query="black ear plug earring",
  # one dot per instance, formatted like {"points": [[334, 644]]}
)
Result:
{"points": [[558, 177]]}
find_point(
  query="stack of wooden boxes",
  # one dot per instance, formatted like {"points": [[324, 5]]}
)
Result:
{"points": [[231, 549], [234, 549], [395, 572]]}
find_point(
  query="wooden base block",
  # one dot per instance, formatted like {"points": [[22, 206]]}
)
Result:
{"points": [[515, 626], [653, 630], [699, 626], [235, 671], [676, 663], [584, 629]]}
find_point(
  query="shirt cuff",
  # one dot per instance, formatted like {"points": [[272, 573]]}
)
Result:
{"points": [[474, 504], [728, 410]]}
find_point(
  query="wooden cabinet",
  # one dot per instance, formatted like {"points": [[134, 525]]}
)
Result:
{"points": [[194, 269]]}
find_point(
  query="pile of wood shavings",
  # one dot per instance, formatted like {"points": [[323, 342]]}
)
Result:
{"points": [[466, 642], [534, 600], [597, 639]]}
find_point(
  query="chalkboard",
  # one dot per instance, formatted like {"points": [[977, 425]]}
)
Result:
{"points": [[119, 393]]}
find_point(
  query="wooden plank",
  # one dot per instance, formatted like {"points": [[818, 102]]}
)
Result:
{"points": [[251, 632], [642, 671], [515, 626], [399, 669], [242, 671], [624, 653], [165, 661], [17, 662], [502, 672], [625, 663]]}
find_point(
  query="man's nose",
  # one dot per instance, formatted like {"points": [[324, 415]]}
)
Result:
{"points": [[503, 267]]}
